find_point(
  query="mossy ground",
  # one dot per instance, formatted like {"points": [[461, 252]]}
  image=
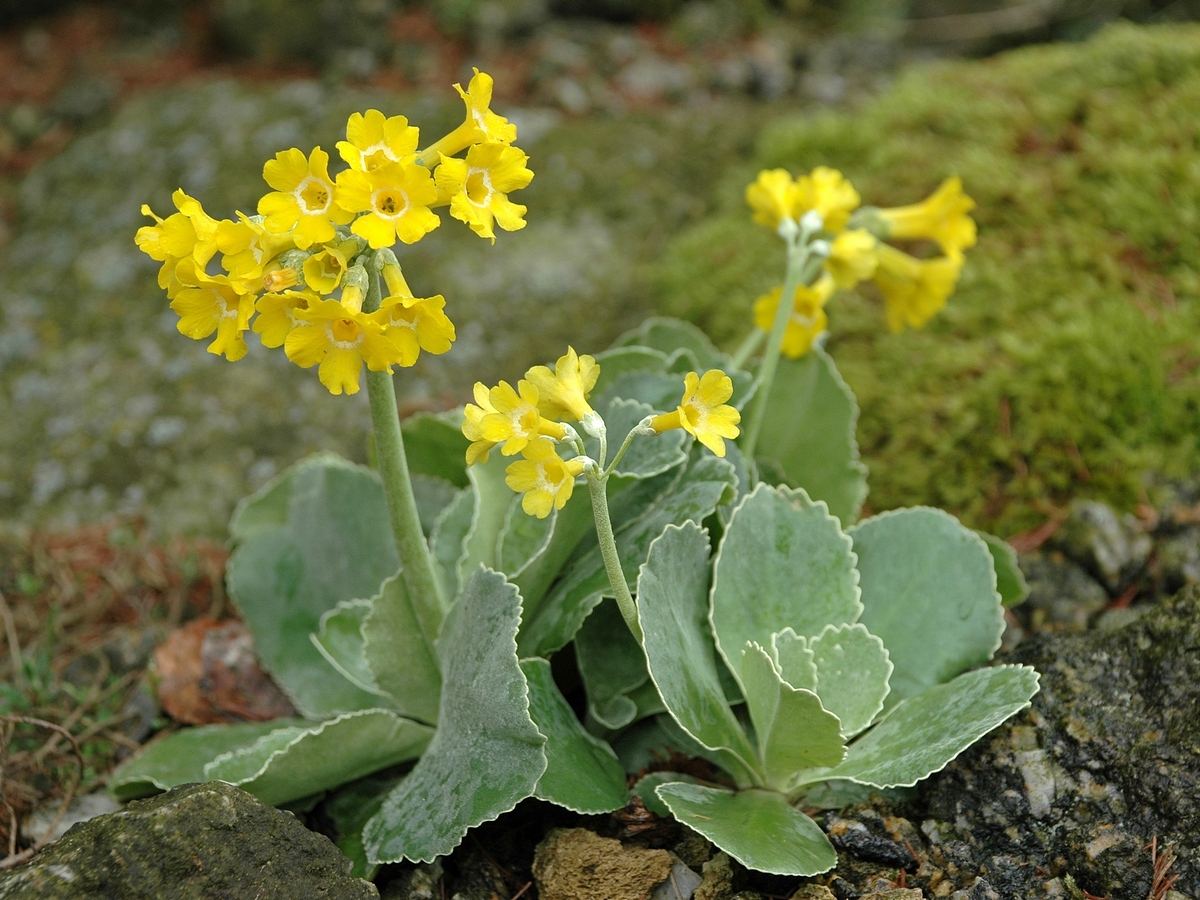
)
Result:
{"points": [[1068, 362]]}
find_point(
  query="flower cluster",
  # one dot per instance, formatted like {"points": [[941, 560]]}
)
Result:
{"points": [[853, 236], [535, 416], [309, 263]]}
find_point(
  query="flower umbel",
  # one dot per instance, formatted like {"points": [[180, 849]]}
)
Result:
{"points": [[340, 340], [373, 141], [851, 257], [563, 393], [395, 197], [914, 290], [209, 303], [303, 199], [703, 412], [829, 193], [415, 324], [545, 479], [773, 197], [808, 315], [942, 217]]}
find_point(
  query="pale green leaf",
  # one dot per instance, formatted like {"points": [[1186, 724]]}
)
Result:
{"points": [[340, 640], [290, 763], [852, 669], [402, 662], [487, 755], [492, 500], [447, 541], [434, 445], [433, 495], [582, 772], [671, 589], [668, 335], [573, 524], [349, 809], [929, 592], [180, 757], [809, 431], [648, 455], [921, 734], [1010, 580], [639, 513], [757, 828], [611, 664], [644, 789], [795, 659], [783, 563], [523, 538], [794, 732], [619, 362], [317, 535]]}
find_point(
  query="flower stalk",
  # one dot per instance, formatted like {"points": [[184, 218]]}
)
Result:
{"points": [[598, 487], [415, 561]]}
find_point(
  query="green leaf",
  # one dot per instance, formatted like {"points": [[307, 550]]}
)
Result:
{"points": [[783, 563], [290, 763], [180, 758], [572, 525], [402, 663], [317, 535], [809, 430], [852, 672], [487, 754], [523, 538], [492, 499], [447, 541], [611, 664], [432, 495], [349, 808], [647, 455], [929, 592], [582, 772], [644, 789], [668, 335], [794, 731], [619, 362], [1010, 580], [797, 662], [757, 828], [340, 641], [672, 608], [639, 512], [921, 734], [434, 445]]}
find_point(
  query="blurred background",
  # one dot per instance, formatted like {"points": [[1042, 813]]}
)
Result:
{"points": [[1066, 365]]}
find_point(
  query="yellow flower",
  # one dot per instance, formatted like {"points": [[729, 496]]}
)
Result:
{"points": [[543, 477], [851, 257], [247, 247], [828, 192], [415, 324], [325, 269], [774, 197], [478, 187], [480, 126], [914, 290], [373, 141], [341, 340], [277, 315], [942, 217], [808, 315], [190, 232], [562, 394], [472, 427], [703, 413], [396, 198], [303, 199], [207, 303], [516, 420]]}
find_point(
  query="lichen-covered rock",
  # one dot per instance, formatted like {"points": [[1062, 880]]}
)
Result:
{"points": [[1065, 361], [1107, 759], [1114, 548], [577, 864], [195, 842], [1061, 594]]}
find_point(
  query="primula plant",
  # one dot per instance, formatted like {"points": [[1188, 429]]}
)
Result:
{"points": [[721, 598]]}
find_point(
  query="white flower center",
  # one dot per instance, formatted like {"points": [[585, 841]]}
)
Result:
{"points": [[313, 195]]}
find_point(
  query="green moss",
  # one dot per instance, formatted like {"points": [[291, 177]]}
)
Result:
{"points": [[1067, 362]]}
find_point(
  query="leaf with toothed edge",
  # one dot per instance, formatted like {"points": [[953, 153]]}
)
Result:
{"points": [[402, 662]]}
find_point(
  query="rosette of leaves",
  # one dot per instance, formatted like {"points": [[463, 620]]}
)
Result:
{"points": [[850, 649]]}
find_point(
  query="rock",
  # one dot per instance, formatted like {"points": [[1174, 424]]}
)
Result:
{"points": [[1061, 594], [577, 864], [1179, 558], [980, 890], [855, 837], [1107, 758], [717, 879], [35, 826], [418, 883], [814, 892], [1113, 548], [681, 883], [195, 842]]}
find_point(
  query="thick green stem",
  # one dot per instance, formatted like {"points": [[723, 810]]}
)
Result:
{"points": [[415, 561], [797, 257], [598, 485]]}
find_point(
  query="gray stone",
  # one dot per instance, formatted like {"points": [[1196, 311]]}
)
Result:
{"points": [[195, 842], [1107, 757], [1179, 558], [1113, 548], [37, 825], [1062, 595]]}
